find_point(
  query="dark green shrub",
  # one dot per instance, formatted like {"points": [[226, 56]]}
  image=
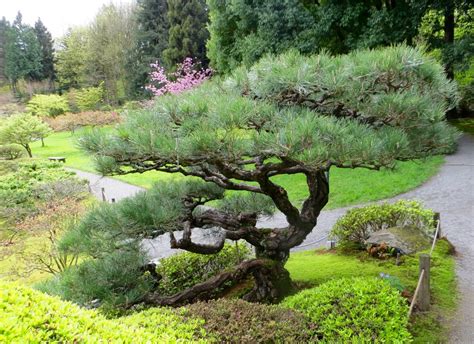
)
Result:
{"points": [[11, 151], [357, 224], [28, 316], [238, 321], [186, 269], [47, 105], [362, 310]]}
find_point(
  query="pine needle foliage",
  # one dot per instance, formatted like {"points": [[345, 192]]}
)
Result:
{"points": [[288, 114]]}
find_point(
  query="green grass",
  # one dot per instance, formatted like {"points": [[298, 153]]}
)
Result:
{"points": [[464, 124], [316, 267], [348, 186]]}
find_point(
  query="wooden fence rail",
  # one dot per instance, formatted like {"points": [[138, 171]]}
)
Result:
{"points": [[422, 296]]}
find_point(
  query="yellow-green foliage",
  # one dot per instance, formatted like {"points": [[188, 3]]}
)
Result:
{"points": [[89, 98], [355, 310], [28, 316], [47, 105]]}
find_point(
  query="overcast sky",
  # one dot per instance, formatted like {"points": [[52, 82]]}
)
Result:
{"points": [[57, 15]]}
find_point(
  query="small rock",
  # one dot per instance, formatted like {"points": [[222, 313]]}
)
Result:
{"points": [[405, 240]]}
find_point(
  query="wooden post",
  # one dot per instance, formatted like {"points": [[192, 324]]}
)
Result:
{"points": [[424, 297], [103, 194]]}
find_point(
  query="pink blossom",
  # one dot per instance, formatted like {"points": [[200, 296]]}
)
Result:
{"points": [[186, 77]]}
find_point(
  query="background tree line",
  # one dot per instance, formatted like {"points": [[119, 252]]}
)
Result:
{"points": [[121, 42]]}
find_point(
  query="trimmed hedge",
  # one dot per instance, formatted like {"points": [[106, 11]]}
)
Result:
{"points": [[28, 316], [238, 321], [357, 224], [362, 310]]}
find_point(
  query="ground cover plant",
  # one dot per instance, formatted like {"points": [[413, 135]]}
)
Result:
{"points": [[288, 114], [366, 309], [53, 320], [36, 199], [314, 268]]}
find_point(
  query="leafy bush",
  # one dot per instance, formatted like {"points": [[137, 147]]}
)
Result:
{"points": [[28, 316], [72, 121], [18, 187], [11, 151], [89, 98], [47, 105], [186, 269], [362, 310], [238, 321], [357, 224]]}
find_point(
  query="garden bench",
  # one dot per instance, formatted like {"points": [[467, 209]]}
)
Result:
{"points": [[57, 158]]}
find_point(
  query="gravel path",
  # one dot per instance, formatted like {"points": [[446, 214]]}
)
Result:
{"points": [[450, 192], [113, 188]]}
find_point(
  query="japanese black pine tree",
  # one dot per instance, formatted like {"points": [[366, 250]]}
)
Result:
{"points": [[227, 141]]}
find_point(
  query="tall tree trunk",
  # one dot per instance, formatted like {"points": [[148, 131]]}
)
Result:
{"points": [[449, 36]]}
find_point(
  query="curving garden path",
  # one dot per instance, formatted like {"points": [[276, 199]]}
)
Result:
{"points": [[450, 192]]}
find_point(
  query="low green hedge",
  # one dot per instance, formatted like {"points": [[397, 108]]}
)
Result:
{"points": [[357, 224], [362, 310], [28, 316]]}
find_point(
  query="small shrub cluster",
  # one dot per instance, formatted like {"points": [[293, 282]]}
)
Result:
{"points": [[47, 105], [89, 98], [28, 316], [362, 310], [238, 321], [20, 189], [184, 270], [11, 151], [72, 121], [357, 224]]}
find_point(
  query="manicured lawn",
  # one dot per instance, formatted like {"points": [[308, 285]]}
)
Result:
{"points": [[347, 186], [316, 267]]}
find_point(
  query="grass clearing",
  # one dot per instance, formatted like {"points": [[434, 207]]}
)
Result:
{"points": [[316, 267], [348, 186]]}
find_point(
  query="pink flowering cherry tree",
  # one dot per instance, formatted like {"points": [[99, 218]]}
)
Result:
{"points": [[187, 76]]}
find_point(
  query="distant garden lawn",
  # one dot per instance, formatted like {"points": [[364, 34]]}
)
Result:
{"points": [[347, 186]]}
